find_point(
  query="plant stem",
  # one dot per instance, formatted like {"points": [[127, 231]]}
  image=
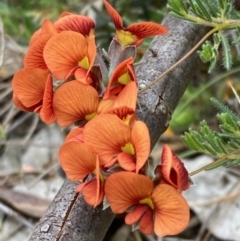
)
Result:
{"points": [[213, 163], [181, 60], [198, 92]]}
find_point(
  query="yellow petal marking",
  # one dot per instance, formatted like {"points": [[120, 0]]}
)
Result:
{"points": [[90, 116], [125, 37], [147, 201], [128, 148], [124, 79], [84, 63]]}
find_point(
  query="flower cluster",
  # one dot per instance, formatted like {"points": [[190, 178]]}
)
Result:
{"points": [[68, 79]]}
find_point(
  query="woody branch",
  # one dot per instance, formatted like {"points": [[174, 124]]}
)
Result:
{"points": [[69, 217]]}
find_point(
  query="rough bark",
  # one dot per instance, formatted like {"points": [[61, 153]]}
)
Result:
{"points": [[69, 217], [157, 104]]}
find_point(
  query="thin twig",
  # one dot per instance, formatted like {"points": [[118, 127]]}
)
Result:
{"points": [[225, 198], [214, 163], [19, 120], [5, 108], [5, 85], [6, 93], [12, 112], [219, 216], [31, 129], [43, 174], [10, 212], [179, 61], [27, 143]]}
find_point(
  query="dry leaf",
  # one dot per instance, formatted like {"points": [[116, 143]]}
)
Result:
{"points": [[25, 203]]}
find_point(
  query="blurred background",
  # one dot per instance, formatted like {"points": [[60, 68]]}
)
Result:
{"points": [[30, 174]]}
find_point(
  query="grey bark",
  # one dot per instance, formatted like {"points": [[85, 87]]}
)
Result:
{"points": [[69, 217]]}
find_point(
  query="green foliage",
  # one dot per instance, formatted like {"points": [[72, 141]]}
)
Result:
{"points": [[209, 53], [216, 14], [224, 144], [22, 18]]}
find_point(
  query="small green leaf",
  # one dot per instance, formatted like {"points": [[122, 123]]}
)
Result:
{"points": [[214, 9], [221, 145], [183, 6], [227, 9], [212, 64], [177, 15], [216, 39], [223, 108], [209, 149], [237, 40], [206, 54], [221, 3], [205, 12], [227, 56], [187, 139], [193, 7], [175, 5]]}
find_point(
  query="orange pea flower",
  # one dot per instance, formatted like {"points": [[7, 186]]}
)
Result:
{"points": [[125, 104], [70, 53], [74, 101], [173, 171], [75, 134], [122, 75], [74, 22], [160, 208], [78, 161], [34, 55], [113, 140], [68, 21], [32, 88], [134, 33]]}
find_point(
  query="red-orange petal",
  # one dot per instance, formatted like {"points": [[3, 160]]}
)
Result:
{"points": [[171, 210], [127, 161], [92, 50], [20, 106], [77, 160], [34, 56], [36, 35], [146, 222], [90, 191], [74, 22], [72, 101], [48, 27], [173, 170], [81, 75], [124, 189], [63, 52], [46, 113], [106, 105], [114, 15], [133, 216], [146, 29], [75, 135], [121, 112], [127, 97], [141, 142], [106, 134], [122, 68], [28, 85]]}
